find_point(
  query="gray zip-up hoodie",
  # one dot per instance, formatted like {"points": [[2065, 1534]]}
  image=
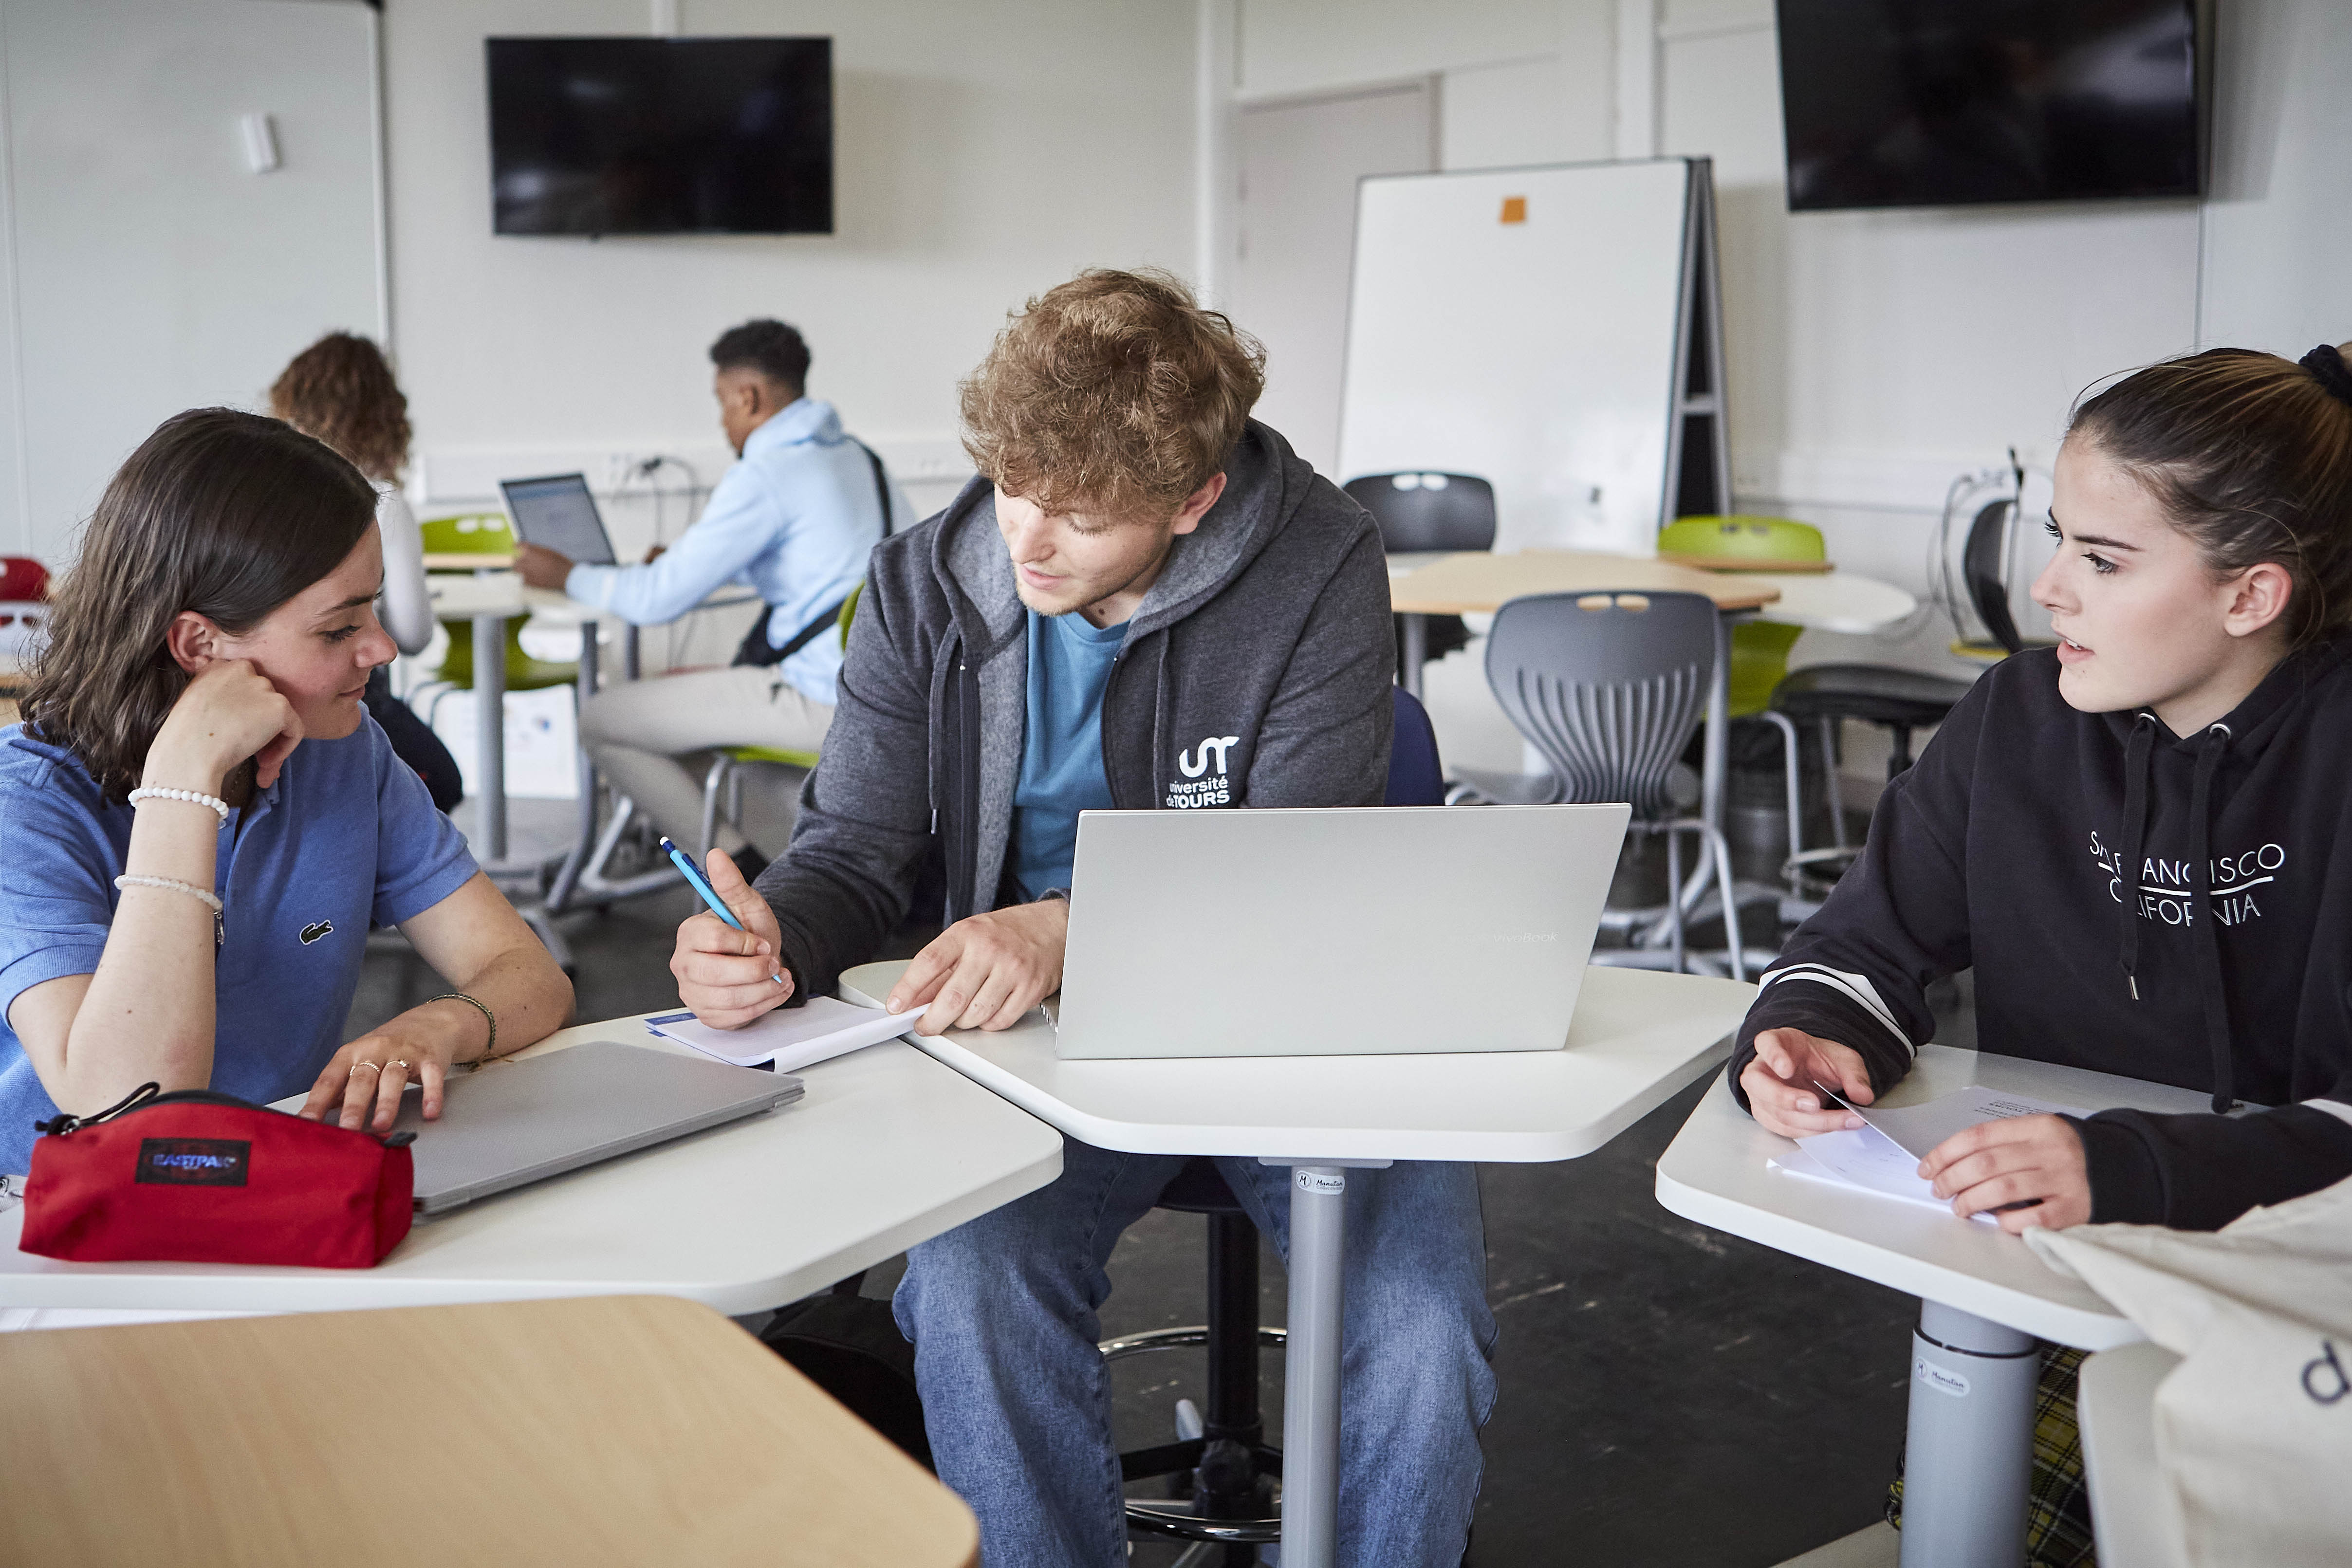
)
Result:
{"points": [[1255, 674]]}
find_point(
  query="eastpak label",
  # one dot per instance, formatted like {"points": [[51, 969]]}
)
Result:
{"points": [[195, 1162]]}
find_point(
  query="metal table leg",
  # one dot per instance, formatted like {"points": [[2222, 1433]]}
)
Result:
{"points": [[1969, 1460], [1310, 1387], [490, 733], [558, 896], [1416, 654]]}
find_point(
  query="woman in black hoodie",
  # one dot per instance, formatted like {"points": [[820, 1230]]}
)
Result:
{"points": [[2141, 840]]}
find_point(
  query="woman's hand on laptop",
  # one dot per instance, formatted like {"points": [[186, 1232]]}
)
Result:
{"points": [[729, 977], [1781, 1083], [987, 972]]}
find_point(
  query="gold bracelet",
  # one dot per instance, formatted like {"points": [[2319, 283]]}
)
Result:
{"points": [[489, 1051]]}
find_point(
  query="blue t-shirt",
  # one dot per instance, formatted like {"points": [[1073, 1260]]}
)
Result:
{"points": [[346, 837], [1061, 745]]}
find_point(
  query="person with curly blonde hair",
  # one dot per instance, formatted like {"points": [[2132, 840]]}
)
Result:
{"points": [[1145, 600], [340, 391]]}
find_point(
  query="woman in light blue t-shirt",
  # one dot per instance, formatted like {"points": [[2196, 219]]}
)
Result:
{"points": [[199, 822]]}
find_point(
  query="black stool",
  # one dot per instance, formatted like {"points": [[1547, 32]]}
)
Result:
{"points": [[1223, 1480], [1899, 700]]}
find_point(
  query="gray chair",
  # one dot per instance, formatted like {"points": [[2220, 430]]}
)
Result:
{"points": [[1417, 513], [1609, 689]]}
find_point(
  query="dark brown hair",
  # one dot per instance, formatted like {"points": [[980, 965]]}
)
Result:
{"points": [[224, 513], [1115, 392], [341, 389], [2250, 455]]}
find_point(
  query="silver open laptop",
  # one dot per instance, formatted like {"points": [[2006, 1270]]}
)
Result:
{"points": [[525, 1121], [1305, 933]]}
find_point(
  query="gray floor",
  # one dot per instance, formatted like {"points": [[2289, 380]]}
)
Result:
{"points": [[1669, 1396]]}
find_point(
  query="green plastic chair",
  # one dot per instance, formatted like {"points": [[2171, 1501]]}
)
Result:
{"points": [[724, 777], [1760, 649], [486, 533]]}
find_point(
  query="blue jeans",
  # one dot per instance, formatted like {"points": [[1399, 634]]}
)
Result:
{"points": [[1017, 1400]]}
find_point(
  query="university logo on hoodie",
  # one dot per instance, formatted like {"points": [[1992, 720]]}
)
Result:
{"points": [[1206, 779]]}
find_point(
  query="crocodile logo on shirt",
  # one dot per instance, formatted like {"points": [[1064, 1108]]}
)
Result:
{"points": [[312, 933]]}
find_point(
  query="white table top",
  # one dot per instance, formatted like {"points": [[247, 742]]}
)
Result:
{"points": [[1715, 1173], [1637, 1037], [886, 1148], [505, 594], [1835, 601]]}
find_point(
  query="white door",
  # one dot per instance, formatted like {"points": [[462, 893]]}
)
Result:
{"points": [[1295, 223], [153, 271]]}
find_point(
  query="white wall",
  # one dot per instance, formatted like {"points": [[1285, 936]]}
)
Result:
{"points": [[983, 153], [1876, 356], [144, 269]]}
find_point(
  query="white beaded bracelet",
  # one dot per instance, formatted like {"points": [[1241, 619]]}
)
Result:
{"points": [[192, 796], [172, 884]]}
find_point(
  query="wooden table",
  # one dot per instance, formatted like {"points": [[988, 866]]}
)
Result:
{"points": [[611, 1429], [1476, 582]]}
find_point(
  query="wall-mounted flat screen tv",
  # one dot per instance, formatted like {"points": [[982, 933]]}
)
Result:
{"points": [[1903, 104], [645, 136]]}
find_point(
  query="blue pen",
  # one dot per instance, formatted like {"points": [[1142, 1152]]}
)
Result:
{"points": [[685, 863]]}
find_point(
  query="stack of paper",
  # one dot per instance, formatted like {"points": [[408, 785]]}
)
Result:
{"points": [[1883, 1156], [792, 1037]]}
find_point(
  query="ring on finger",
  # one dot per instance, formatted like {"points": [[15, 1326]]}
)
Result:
{"points": [[396, 1061], [357, 1065]]}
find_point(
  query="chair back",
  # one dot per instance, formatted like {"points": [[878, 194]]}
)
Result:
{"points": [[1416, 776], [1428, 511], [1743, 538], [1984, 566], [1607, 687], [468, 533]]}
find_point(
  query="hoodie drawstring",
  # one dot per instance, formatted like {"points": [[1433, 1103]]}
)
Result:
{"points": [[2135, 756], [2208, 939]]}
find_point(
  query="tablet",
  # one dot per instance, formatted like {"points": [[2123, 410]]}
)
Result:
{"points": [[558, 513]]}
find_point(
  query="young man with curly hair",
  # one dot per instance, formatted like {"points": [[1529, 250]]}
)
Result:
{"points": [[1141, 570]]}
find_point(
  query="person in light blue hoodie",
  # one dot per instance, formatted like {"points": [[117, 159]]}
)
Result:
{"points": [[795, 519]]}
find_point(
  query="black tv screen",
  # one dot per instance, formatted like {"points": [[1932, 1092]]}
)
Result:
{"points": [[643, 136], [1898, 103]]}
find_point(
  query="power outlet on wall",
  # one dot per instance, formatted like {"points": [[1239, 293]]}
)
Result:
{"points": [[620, 471]]}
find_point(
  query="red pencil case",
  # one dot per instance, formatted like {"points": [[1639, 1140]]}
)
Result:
{"points": [[200, 1177]]}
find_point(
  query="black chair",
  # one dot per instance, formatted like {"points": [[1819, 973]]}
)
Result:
{"points": [[1223, 1480], [1420, 512]]}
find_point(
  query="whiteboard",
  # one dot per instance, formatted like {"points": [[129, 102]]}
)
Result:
{"points": [[1538, 353], [149, 268]]}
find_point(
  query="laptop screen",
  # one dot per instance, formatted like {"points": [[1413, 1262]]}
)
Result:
{"points": [[558, 513]]}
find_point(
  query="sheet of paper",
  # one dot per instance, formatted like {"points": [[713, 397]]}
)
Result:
{"points": [[1883, 1156], [1920, 1128], [1799, 1162], [792, 1038]]}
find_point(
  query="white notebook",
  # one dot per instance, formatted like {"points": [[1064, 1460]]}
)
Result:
{"points": [[792, 1037], [1883, 1155]]}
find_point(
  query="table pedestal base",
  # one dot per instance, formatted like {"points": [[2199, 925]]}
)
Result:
{"points": [[1968, 1461]]}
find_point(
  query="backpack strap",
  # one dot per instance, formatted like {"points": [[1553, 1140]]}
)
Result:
{"points": [[756, 649]]}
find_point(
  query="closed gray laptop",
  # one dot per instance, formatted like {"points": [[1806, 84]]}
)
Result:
{"points": [[1342, 932], [525, 1121]]}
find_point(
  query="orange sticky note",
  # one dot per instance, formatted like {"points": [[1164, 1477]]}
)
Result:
{"points": [[1514, 209]]}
